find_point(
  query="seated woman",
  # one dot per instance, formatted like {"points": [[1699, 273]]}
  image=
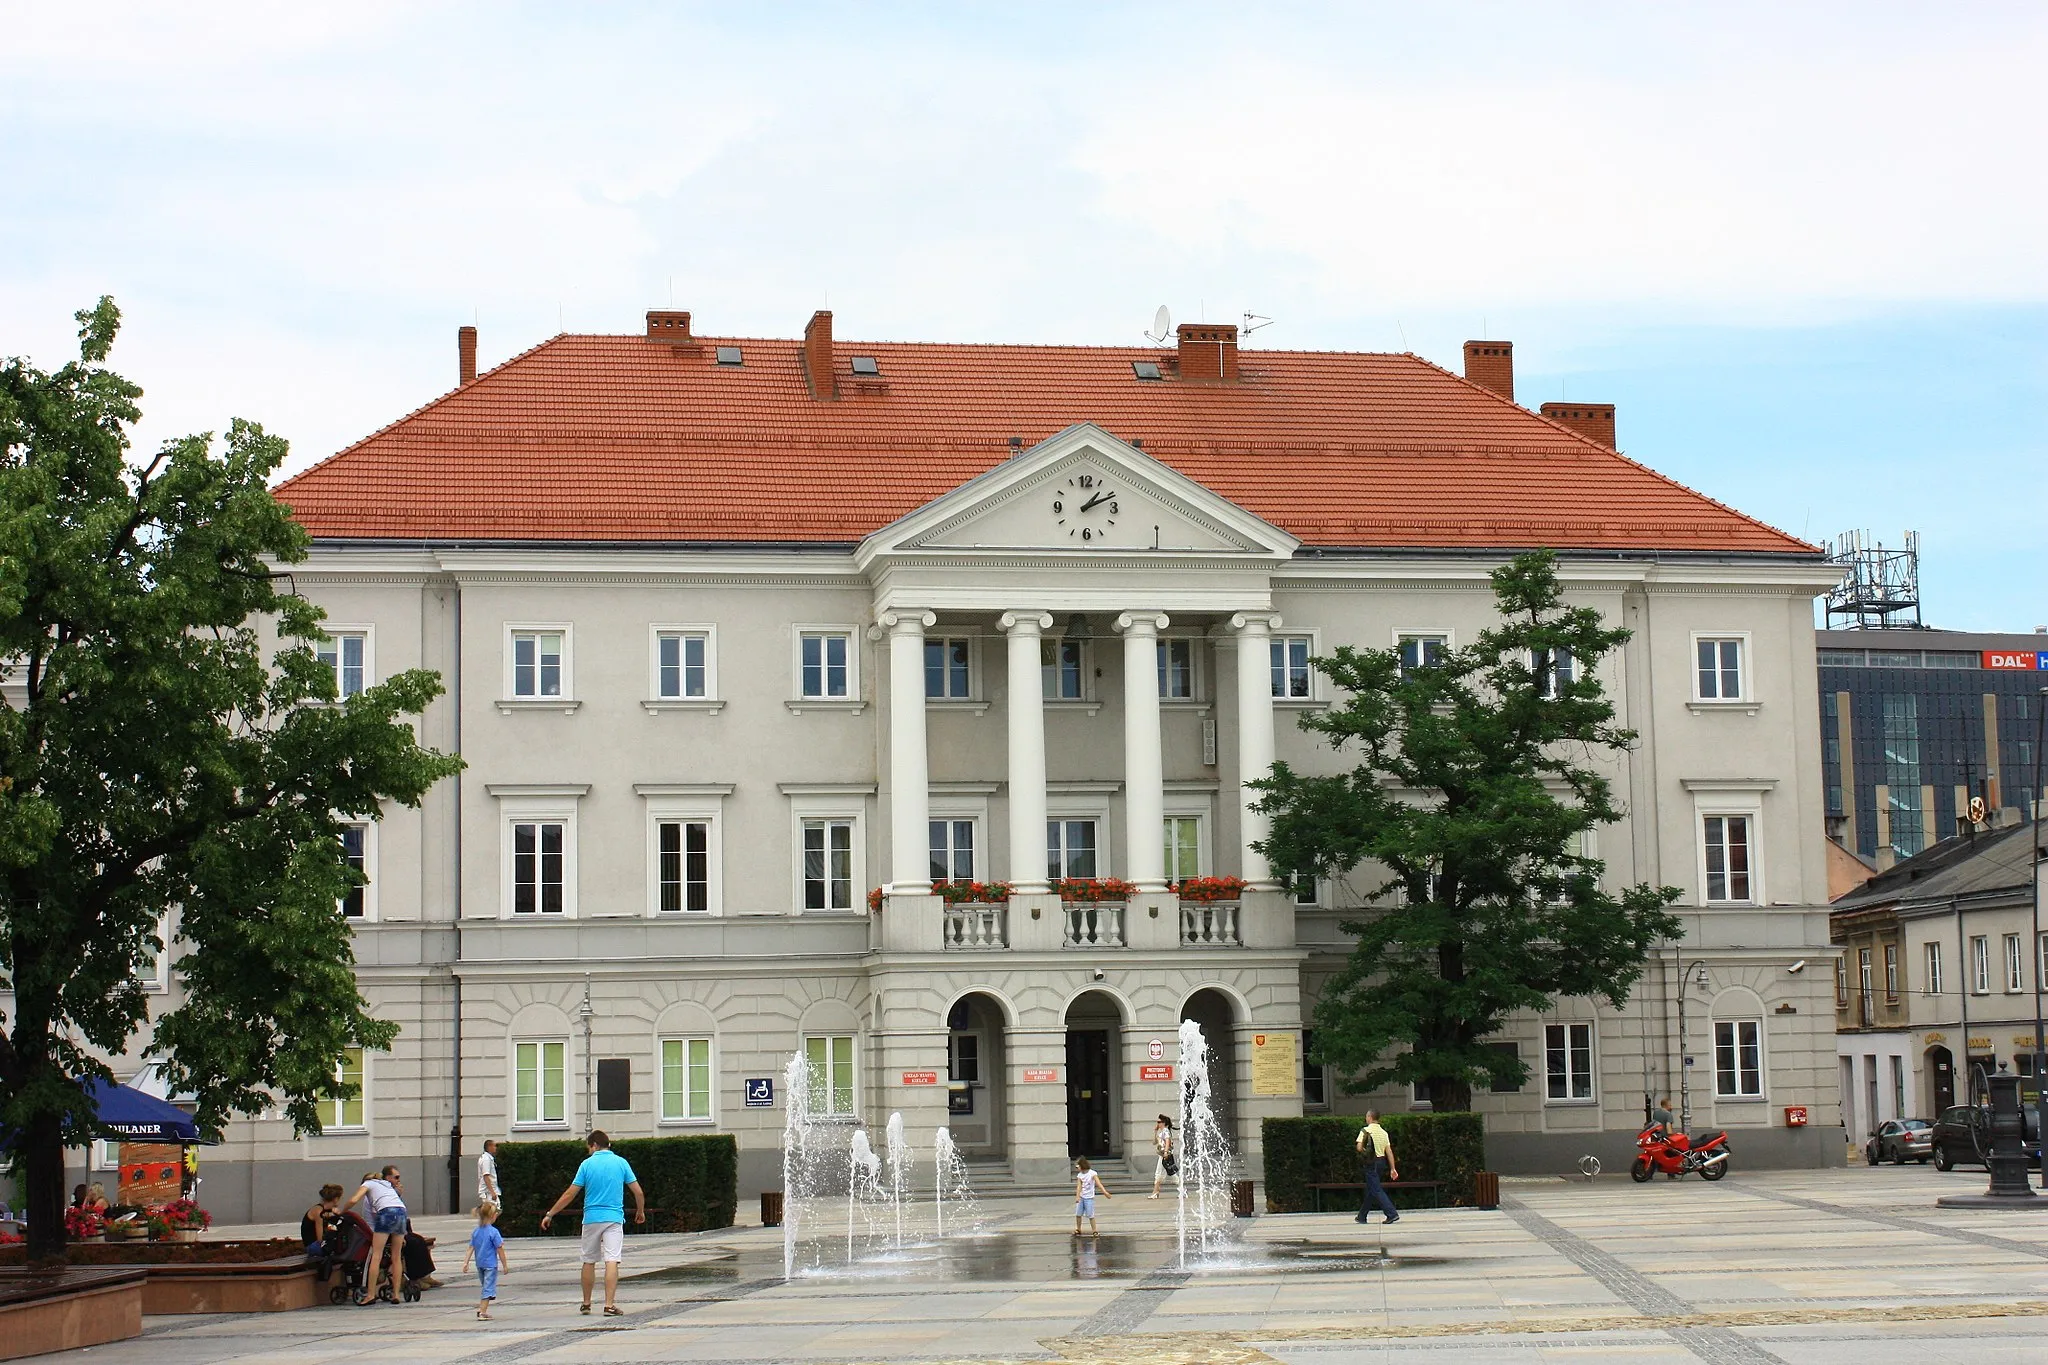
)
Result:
{"points": [[78, 1196], [318, 1223], [96, 1198]]}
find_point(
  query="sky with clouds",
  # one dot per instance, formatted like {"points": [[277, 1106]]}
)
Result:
{"points": [[1799, 245]]}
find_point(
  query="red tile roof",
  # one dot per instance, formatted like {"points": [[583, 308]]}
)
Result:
{"points": [[620, 438]]}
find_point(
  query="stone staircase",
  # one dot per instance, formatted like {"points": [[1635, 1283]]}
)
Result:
{"points": [[992, 1179]]}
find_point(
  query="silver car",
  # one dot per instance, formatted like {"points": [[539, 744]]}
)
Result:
{"points": [[1900, 1141]]}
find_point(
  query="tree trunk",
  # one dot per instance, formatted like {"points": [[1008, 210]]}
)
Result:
{"points": [[39, 1154], [1449, 1096]]}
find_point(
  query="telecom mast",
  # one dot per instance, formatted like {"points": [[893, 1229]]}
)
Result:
{"points": [[1881, 588]]}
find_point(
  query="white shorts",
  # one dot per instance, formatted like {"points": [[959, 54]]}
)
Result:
{"points": [[603, 1242]]}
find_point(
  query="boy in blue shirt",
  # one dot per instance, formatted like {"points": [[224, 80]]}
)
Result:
{"points": [[487, 1245]]}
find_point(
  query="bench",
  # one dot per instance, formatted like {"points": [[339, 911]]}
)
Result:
{"points": [[1356, 1189]]}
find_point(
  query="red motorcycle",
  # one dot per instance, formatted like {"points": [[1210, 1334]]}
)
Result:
{"points": [[1677, 1155]]}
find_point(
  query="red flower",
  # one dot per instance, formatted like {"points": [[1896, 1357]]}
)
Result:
{"points": [[1093, 890], [1205, 889]]}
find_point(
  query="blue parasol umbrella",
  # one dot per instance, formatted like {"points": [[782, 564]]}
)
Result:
{"points": [[128, 1114]]}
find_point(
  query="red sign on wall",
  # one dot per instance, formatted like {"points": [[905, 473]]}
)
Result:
{"points": [[2026, 660], [920, 1078], [1156, 1073], [1037, 1074]]}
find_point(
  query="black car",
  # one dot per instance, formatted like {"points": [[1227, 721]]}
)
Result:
{"points": [[1900, 1141], [1962, 1136]]}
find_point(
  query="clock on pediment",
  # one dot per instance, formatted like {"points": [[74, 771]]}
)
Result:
{"points": [[1085, 506]]}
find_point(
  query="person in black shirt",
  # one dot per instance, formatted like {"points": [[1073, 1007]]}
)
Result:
{"points": [[319, 1222]]}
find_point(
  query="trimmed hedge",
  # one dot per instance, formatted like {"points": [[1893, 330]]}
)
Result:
{"points": [[691, 1183], [1320, 1150]]}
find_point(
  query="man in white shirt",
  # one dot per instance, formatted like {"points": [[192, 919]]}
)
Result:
{"points": [[487, 1175]]}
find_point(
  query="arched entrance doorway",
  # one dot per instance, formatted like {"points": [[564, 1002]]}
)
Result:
{"points": [[1213, 1011], [1941, 1079], [976, 1108], [1094, 1035]]}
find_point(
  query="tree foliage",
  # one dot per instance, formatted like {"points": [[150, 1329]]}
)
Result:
{"points": [[175, 768], [1473, 787]]}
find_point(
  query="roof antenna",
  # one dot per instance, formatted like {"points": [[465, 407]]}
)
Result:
{"points": [[1162, 325], [1404, 335], [1253, 322]]}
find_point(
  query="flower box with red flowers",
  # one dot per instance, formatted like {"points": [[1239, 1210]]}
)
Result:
{"points": [[1207, 890], [1094, 890], [80, 1224], [875, 901], [973, 893]]}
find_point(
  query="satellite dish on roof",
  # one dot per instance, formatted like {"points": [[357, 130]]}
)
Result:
{"points": [[1162, 324]]}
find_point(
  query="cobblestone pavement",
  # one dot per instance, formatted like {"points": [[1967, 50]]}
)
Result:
{"points": [[1807, 1268]]}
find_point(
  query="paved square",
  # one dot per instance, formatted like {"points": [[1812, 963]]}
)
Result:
{"points": [[1808, 1268]]}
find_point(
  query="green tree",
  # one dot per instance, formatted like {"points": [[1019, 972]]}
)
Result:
{"points": [[1473, 787], [169, 773]]}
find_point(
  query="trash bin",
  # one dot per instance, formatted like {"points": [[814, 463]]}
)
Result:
{"points": [[1241, 1199], [771, 1208], [1486, 1189]]}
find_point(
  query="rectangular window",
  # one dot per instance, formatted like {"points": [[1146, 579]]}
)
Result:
{"points": [[831, 1060], [1980, 964], [1315, 1077], [685, 1079], [684, 874], [614, 1084], [345, 653], [1500, 1087], [355, 846], [1183, 847], [828, 864], [1060, 668], [1291, 673], [1070, 848], [2041, 958], [346, 1113], [682, 665], [1422, 651], [1568, 1061], [538, 1073], [1738, 1059], [1865, 978], [1841, 983], [963, 1058], [1727, 849], [1933, 985], [1177, 669], [952, 844], [2015, 962], [825, 656], [1554, 671], [1902, 772], [537, 867], [1891, 972], [945, 669], [1719, 670], [1302, 886], [537, 663]]}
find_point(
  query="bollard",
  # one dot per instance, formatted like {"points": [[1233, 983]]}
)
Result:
{"points": [[771, 1208], [1486, 1189], [1241, 1199]]}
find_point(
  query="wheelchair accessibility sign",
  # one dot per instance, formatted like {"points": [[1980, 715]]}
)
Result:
{"points": [[760, 1092]]}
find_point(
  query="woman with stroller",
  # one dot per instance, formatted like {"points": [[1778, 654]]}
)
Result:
{"points": [[386, 1196]]}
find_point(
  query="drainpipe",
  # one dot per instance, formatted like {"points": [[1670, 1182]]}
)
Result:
{"points": [[455, 968]]}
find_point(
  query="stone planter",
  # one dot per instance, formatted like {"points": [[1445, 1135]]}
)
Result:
{"points": [[265, 1276], [68, 1308]]}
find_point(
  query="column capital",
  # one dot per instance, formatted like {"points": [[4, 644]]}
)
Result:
{"points": [[1255, 622], [907, 622], [1141, 623], [1024, 622]]}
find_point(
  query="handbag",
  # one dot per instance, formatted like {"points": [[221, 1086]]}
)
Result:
{"points": [[1171, 1163]]}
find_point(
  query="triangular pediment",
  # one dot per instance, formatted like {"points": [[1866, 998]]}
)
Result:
{"points": [[1087, 492]]}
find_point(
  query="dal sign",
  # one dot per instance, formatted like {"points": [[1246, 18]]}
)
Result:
{"points": [[2016, 660]]}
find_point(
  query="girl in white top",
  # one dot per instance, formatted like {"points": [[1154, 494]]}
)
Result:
{"points": [[1162, 1143], [1087, 1185]]}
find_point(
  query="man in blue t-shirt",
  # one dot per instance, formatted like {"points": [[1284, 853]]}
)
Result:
{"points": [[604, 1177]]}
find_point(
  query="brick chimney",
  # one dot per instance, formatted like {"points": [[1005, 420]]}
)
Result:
{"points": [[1208, 350], [1491, 365], [1588, 419], [668, 324], [465, 356], [818, 355]]}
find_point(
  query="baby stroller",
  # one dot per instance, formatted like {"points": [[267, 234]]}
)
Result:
{"points": [[346, 1255]]}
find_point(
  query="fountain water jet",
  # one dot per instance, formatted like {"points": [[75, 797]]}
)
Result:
{"points": [[1202, 1189], [899, 1168], [949, 1182]]}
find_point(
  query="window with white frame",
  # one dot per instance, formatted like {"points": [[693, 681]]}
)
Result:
{"points": [[1315, 1077], [1841, 983], [540, 863], [682, 866], [1980, 964], [1738, 1059], [1302, 887], [1891, 971], [1070, 849], [1719, 671], [825, 662], [347, 652], [2041, 958], [1176, 669], [1726, 847], [828, 863], [1568, 1062], [540, 663], [1421, 649], [1865, 975], [1183, 847], [355, 852], [1933, 965], [1293, 678], [539, 1084], [1062, 667], [947, 675], [1553, 670], [683, 664], [832, 1076], [686, 1080], [2015, 962], [952, 848], [347, 1115]]}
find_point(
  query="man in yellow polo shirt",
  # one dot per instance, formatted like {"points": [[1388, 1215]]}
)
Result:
{"points": [[1379, 1165]]}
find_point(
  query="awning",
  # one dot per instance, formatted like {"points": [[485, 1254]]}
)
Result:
{"points": [[128, 1115]]}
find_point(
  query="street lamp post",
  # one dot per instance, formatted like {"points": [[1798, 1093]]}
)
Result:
{"points": [[1685, 979]]}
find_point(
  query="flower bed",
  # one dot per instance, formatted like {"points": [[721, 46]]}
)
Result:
{"points": [[262, 1275], [169, 1253], [1091, 890], [973, 893], [1203, 890]]}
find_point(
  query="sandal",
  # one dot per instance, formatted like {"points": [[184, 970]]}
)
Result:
{"points": [[614, 1311], [584, 1310]]}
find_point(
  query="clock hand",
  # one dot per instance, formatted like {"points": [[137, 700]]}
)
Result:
{"points": [[1099, 497]]}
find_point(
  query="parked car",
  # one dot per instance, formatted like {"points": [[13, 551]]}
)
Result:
{"points": [[1900, 1141], [1962, 1136]]}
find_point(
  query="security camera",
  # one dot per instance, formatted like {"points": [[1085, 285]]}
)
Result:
{"points": [[1797, 967], [1099, 973]]}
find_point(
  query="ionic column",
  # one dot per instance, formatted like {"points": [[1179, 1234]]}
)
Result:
{"points": [[910, 799], [1144, 770], [1027, 750], [1254, 738]]}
